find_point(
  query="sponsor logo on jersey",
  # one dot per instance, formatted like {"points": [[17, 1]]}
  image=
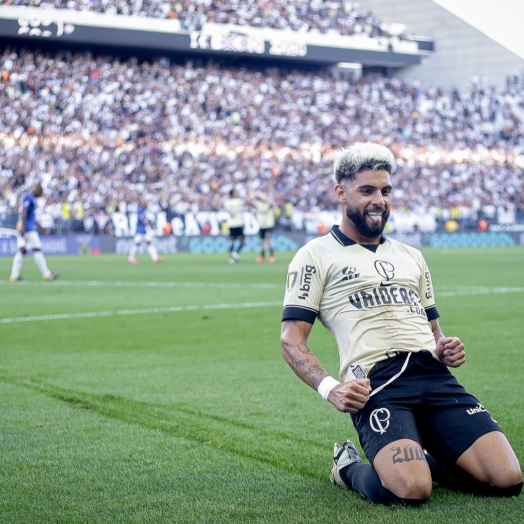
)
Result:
{"points": [[291, 280], [429, 292], [379, 420], [306, 276], [382, 295], [358, 371], [349, 274]]}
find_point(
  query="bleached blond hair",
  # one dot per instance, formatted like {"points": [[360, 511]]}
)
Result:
{"points": [[362, 156]]}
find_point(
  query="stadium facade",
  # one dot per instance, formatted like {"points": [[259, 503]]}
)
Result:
{"points": [[461, 51]]}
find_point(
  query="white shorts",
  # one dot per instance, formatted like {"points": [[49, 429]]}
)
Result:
{"points": [[31, 240], [144, 237]]}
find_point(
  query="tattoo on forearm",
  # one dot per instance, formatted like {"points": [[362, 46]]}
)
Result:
{"points": [[407, 454], [299, 363], [303, 348], [315, 374]]}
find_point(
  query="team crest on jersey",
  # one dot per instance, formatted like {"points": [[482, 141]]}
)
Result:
{"points": [[291, 280], [385, 269]]}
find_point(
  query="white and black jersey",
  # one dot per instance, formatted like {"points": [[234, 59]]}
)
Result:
{"points": [[265, 214], [235, 208], [355, 290]]}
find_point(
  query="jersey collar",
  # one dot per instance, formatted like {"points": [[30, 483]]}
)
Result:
{"points": [[346, 241]]}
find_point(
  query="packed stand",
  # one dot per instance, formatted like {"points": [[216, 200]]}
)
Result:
{"points": [[342, 17], [98, 130]]}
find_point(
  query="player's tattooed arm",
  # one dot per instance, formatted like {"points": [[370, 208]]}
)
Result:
{"points": [[297, 353]]}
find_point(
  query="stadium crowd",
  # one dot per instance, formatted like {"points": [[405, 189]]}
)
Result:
{"points": [[323, 16], [98, 131]]}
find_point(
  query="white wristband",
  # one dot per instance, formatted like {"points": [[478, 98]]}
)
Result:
{"points": [[326, 386]]}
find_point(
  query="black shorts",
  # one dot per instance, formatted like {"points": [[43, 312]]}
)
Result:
{"points": [[265, 232], [425, 404], [235, 232]]}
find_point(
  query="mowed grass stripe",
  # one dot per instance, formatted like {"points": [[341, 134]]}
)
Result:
{"points": [[274, 447], [462, 291], [105, 284], [144, 311]]}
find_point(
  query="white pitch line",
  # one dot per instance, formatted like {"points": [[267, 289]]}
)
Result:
{"points": [[462, 291], [101, 283], [173, 309], [465, 291]]}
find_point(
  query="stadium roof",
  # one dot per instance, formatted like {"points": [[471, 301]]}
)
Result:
{"points": [[501, 20]]}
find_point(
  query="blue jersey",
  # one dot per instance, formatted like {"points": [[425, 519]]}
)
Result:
{"points": [[29, 204], [141, 221]]}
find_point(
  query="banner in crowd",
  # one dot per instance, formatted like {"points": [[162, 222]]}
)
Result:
{"points": [[282, 241], [311, 222], [85, 27]]}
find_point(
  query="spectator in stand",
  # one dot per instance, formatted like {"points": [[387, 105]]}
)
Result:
{"points": [[114, 123], [342, 17]]}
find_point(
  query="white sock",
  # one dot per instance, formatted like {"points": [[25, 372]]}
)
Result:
{"points": [[151, 249], [132, 251], [18, 261], [41, 263]]}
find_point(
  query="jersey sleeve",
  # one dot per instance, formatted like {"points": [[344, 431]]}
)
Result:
{"points": [[304, 288], [426, 293]]}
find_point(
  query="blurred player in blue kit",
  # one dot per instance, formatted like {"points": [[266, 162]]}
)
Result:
{"points": [[29, 238], [144, 233]]}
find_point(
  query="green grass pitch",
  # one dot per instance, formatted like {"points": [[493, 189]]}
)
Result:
{"points": [[156, 393]]}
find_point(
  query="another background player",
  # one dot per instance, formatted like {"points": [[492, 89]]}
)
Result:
{"points": [[144, 233], [266, 219], [29, 237], [235, 205]]}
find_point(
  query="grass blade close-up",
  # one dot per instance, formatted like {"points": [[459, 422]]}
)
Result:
{"points": [[157, 392]]}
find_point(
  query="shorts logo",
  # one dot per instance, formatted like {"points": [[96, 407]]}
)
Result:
{"points": [[379, 420], [479, 409], [291, 280]]}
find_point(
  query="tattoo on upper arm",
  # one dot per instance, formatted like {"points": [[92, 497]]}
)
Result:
{"points": [[407, 454]]}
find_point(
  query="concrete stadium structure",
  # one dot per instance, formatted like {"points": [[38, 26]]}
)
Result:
{"points": [[461, 51]]}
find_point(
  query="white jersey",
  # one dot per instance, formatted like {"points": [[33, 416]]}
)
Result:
{"points": [[375, 302], [265, 214], [235, 208]]}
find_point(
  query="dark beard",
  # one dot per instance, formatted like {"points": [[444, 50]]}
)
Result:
{"points": [[359, 221]]}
